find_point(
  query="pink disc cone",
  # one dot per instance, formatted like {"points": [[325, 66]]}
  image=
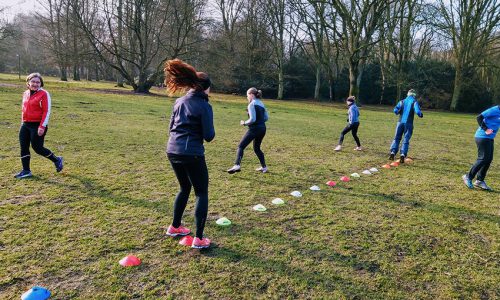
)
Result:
{"points": [[345, 179], [331, 183], [395, 163], [186, 241], [130, 261], [407, 160], [386, 166]]}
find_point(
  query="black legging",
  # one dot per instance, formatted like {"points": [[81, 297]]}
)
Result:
{"points": [[349, 127], [28, 134], [256, 135], [191, 171], [485, 149]]}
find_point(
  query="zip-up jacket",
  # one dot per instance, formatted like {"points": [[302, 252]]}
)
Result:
{"points": [[257, 114], [191, 123], [36, 107], [488, 119], [353, 114], [406, 109]]}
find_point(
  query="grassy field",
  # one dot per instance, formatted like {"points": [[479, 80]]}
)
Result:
{"points": [[412, 232]]}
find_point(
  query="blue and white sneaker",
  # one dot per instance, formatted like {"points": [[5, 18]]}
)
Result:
{"points": [[467, 181], [23, 174], [59, 164], [482, 185]]}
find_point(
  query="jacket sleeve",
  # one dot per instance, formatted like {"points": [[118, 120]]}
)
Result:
{"points": [[418, 111], [45, 103], [397, 108], [349, 115], [480, 121], [266, 115], [252, 115], [207, 123]]}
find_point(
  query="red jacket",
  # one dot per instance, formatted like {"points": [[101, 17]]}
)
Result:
{"points": [[36, 107]]}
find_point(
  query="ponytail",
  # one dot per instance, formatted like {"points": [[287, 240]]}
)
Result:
{"points": [[180, 76]]}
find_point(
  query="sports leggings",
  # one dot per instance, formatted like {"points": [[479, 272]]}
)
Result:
{"points": [[28, 134], [354, 127], [485, 149], [191, 171], [256, 135]]}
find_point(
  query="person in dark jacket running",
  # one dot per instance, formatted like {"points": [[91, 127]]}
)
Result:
{"points": [[190, 124], [489, 122], [352, 125], [256, 123], [34, 127], [406, 109]]}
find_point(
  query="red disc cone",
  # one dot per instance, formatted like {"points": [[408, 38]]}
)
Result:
{"points": [[331, 183], [395, 163], [345, 179], [130, 261], [386, 166], [186, 241]]}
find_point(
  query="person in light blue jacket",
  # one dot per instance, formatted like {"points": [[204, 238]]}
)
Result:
{"points": [[406, 109], [489, 123], [352, 124]]}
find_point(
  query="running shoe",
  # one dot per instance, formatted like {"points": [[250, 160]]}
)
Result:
{"points": [[358, 148], [482, 185], [261, 169], [391, 156], [200, 243], [59, 164], [338, 148], [402, 159], [467, 181], [179, 231], [23, 174], [234, 169]]}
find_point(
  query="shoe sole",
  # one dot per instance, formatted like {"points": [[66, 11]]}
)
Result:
{"points": [[24, 176], [480, 187], [199, 247], [177, 234], [233, 171]]}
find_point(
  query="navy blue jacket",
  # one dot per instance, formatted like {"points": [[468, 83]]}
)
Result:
{"points": [[191, 123]]}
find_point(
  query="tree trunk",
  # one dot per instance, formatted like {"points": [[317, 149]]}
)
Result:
{"points": [[318, 83], [64, 74], [76, 73], [457, 90], [281, 83], [353, 78], [382, 92]]}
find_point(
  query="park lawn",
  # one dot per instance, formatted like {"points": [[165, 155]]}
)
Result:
{"points": [[412, 232]]}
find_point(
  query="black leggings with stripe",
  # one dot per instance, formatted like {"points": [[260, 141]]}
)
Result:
{"points": [[28, 134], [256, 135]]}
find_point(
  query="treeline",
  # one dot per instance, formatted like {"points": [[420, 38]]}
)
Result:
{"points": [[449, 51]]}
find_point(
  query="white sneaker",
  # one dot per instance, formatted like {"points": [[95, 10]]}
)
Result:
{"points": [[338, 148], [358, 148], [234, 169], [261, 169], [482, 185]]}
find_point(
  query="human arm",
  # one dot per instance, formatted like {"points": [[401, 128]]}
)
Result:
{"points": [[417, 109], [45, 103], [207, 123], [398, 107], [252, 115]]}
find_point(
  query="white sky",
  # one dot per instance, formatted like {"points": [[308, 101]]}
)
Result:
{"points": [[13, 7]]}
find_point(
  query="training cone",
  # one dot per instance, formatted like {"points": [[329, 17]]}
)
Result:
{"points": [[366, 172], [36, 293], [408, 160], [373, 170], [394, 164], [386, 166], [345, 179], [259, 207], [277, 201], [296, 194], [186, 241], [223, 222], [355, 175], [130, 261], [314, 188], [331, 183]]}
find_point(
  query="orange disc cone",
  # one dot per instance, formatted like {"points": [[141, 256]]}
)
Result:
{"points": [[408, 160], [386, 166], [130, 261], [345, 179], [331, 183], [395, 163], [186, 241]]}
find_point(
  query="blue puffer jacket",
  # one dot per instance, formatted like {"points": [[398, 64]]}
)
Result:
{"points": [[191, 123], [406, 109]]}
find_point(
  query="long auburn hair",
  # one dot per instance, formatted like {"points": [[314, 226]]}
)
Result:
{"points": [[181, 76]]}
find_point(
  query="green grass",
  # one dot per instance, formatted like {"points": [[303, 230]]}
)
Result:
{"points": [[412, 232]]}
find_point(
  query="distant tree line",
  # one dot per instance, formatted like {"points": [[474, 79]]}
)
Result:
{"points": [[449, 51]]}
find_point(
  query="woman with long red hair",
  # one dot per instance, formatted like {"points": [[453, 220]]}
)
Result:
{"points": [[190, 124]]}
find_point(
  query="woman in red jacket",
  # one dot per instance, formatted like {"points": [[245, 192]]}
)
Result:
{"points": [[35, 119]]}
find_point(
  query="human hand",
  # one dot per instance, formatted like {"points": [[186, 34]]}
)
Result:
{"points": [[242, 123], [41, 131], [489, 131]]}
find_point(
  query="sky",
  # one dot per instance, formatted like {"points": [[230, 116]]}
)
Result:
{"points": [[13, 7]]}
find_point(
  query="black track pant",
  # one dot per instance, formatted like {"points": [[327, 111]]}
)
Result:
{"points": [[256, 135], [484, 158], [349, 127], [191, 171], [28, 134]]}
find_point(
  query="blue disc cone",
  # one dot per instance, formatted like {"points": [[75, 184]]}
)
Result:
{"points": [[36, 293]]}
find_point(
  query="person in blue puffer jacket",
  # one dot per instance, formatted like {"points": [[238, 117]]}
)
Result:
{"points": [[352, 124], [489, 123], [406, 109]]}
